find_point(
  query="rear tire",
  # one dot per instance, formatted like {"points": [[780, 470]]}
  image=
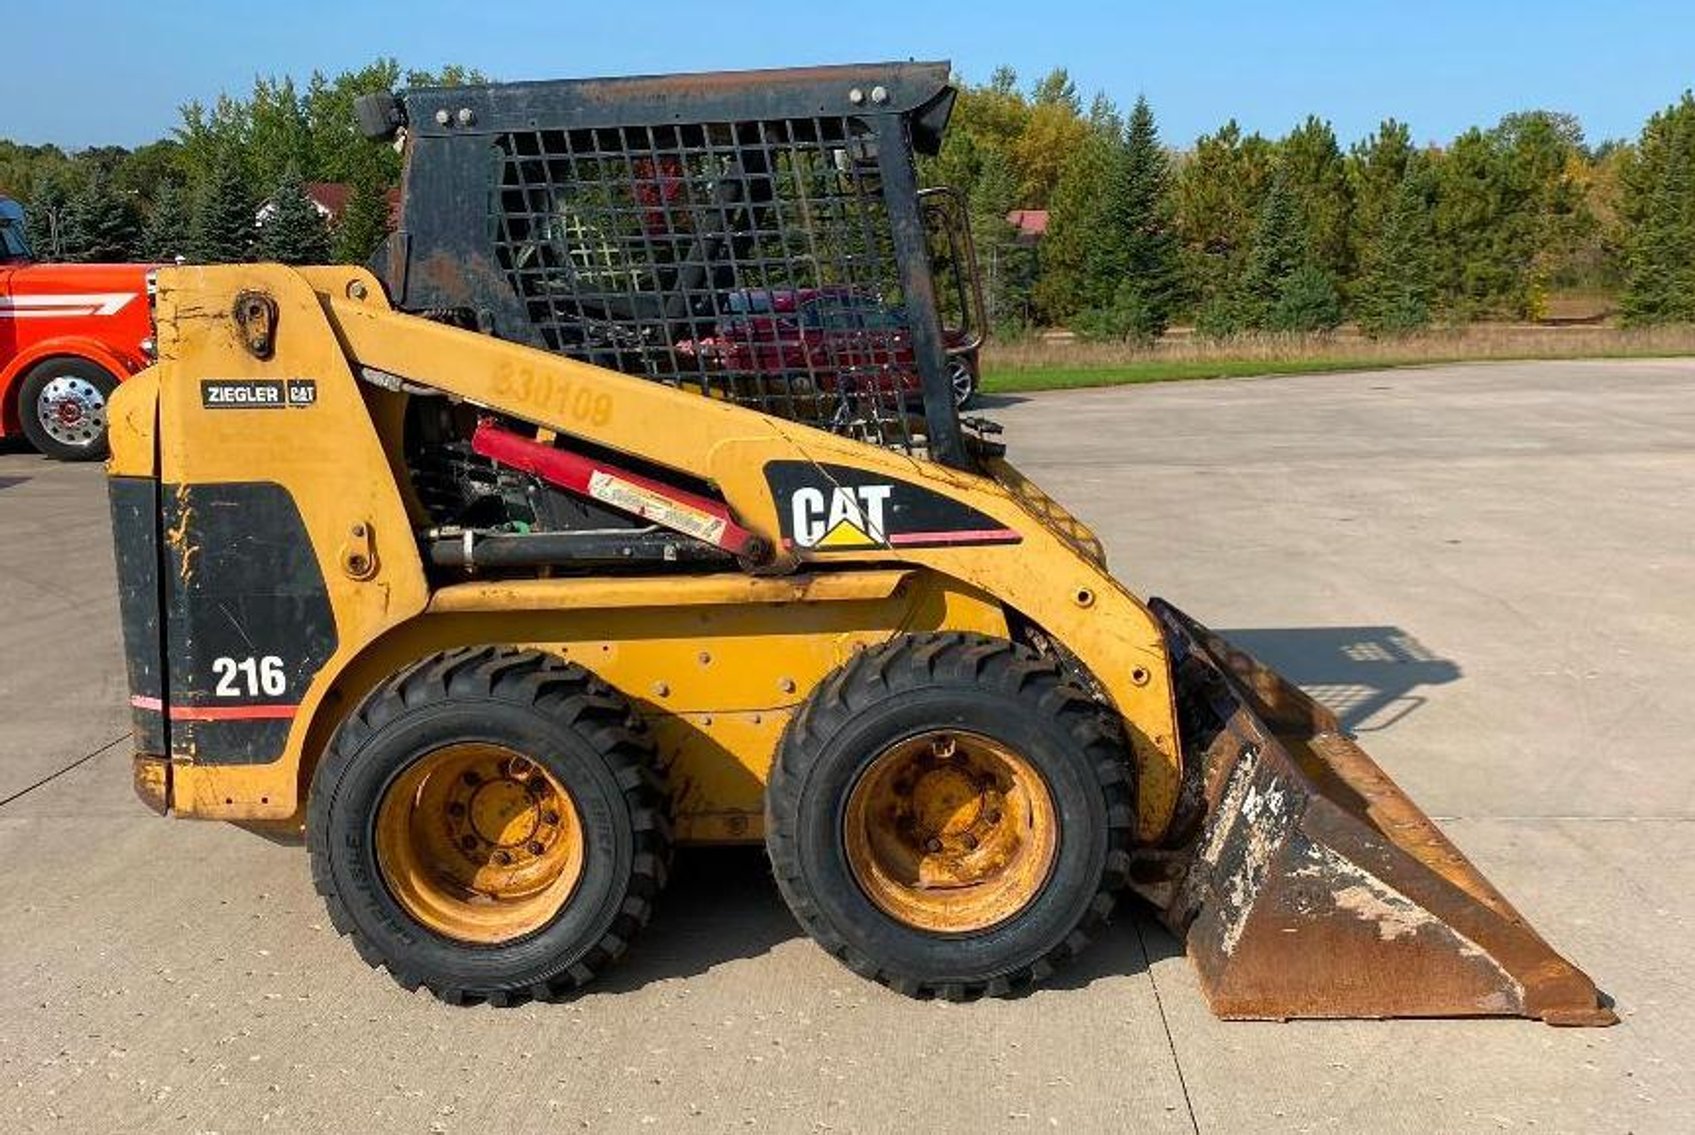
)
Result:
{"points": [[864, 824], [488, 825], [63, 404]]}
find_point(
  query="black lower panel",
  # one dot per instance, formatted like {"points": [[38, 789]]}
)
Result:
{"points": [[135, 544], [248, 619]]}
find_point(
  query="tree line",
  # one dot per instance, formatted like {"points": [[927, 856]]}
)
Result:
{"points": [[1240, 232], [197, 194], [1237, 232]]}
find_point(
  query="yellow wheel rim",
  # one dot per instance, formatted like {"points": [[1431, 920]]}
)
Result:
{"points": [[479, 843], [951, 832]]}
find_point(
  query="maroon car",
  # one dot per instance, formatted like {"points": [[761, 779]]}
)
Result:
{"points": [[840, 338]]}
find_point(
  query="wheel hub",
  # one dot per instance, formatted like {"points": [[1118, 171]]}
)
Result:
{"points": [[479, 843], [951, 832], [72, 410]]}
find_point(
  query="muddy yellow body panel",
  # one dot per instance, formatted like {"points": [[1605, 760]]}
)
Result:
{"points": [[261, 464]]}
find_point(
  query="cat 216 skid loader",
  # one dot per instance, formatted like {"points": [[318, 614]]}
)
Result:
{"points": [[628, 503]]}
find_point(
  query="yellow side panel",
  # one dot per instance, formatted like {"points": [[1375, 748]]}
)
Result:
{"points": [[328, 457], [717, 681]]}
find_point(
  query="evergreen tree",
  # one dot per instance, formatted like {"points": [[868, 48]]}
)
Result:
{"points": [[221, 230], [1312, 163], [98, 226], [1219, 192], [1307, 302], [1396, 293], [1659, 206], [1132, 268], [1279, 249], [1376, 168], [294, 231], [43, 217], [364, 225], [1104, 116], [1076, 217], [1057, 89], [165, 236]]}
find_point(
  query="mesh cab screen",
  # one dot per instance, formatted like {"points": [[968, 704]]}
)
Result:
{"points": [[749, 261]]}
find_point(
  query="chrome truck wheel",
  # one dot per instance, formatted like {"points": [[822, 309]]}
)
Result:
{"points": [[63, 404]]}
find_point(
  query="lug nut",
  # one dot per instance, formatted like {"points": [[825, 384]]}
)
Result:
{"points": [[993, 817], [456, 809], [538, 785], [550, 818], [517, 767], [471, 778], [943, 747], [932, 845], [504, 858], [469, 843], [969, 840], [536, 847]]}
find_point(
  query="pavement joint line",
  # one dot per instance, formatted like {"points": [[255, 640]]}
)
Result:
{"points": [[76, 764], [1165, 1023]]}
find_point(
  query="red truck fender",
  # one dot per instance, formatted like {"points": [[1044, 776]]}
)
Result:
{"points": [[118, 363]]}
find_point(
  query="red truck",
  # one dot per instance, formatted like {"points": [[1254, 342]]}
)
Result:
{"points": [[837, 335], [69, 333]]}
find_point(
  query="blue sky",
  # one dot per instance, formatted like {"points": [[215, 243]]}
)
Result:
{"points": [[95, 71]]}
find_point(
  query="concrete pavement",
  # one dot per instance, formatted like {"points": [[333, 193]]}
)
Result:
{"points": [[1488, 570]]}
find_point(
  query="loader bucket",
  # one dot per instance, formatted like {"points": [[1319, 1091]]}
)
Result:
{"points": [[1308, 885]]}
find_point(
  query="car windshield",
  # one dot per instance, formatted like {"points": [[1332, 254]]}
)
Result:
{"points": [[12, 246], [852, 313]]}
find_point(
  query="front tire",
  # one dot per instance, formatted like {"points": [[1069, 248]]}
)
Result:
{"points": [[949, 815], [63, 403], [488, 825], [962, 378]]}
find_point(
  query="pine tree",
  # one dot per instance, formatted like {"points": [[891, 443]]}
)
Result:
{"points": [[1057, 89], [1660, 205], [165, 236], [1312, 163], [364, 225], [1396, 293], [99, 226], [294, 231], [1136, 268], [1376, 168], [1279, 249], [1075, 220], [1307, 302], [1219, 193], [221, 231]]}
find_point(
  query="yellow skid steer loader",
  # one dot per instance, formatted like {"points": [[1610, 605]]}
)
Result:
{"points": [[628, 504]]}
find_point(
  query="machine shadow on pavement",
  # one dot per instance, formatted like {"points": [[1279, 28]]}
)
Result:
{"points": [[721, 905], [1366, 676], [995, 402]]}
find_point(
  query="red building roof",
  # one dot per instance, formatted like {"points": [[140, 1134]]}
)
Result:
{"points": [[1032, 224]]}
